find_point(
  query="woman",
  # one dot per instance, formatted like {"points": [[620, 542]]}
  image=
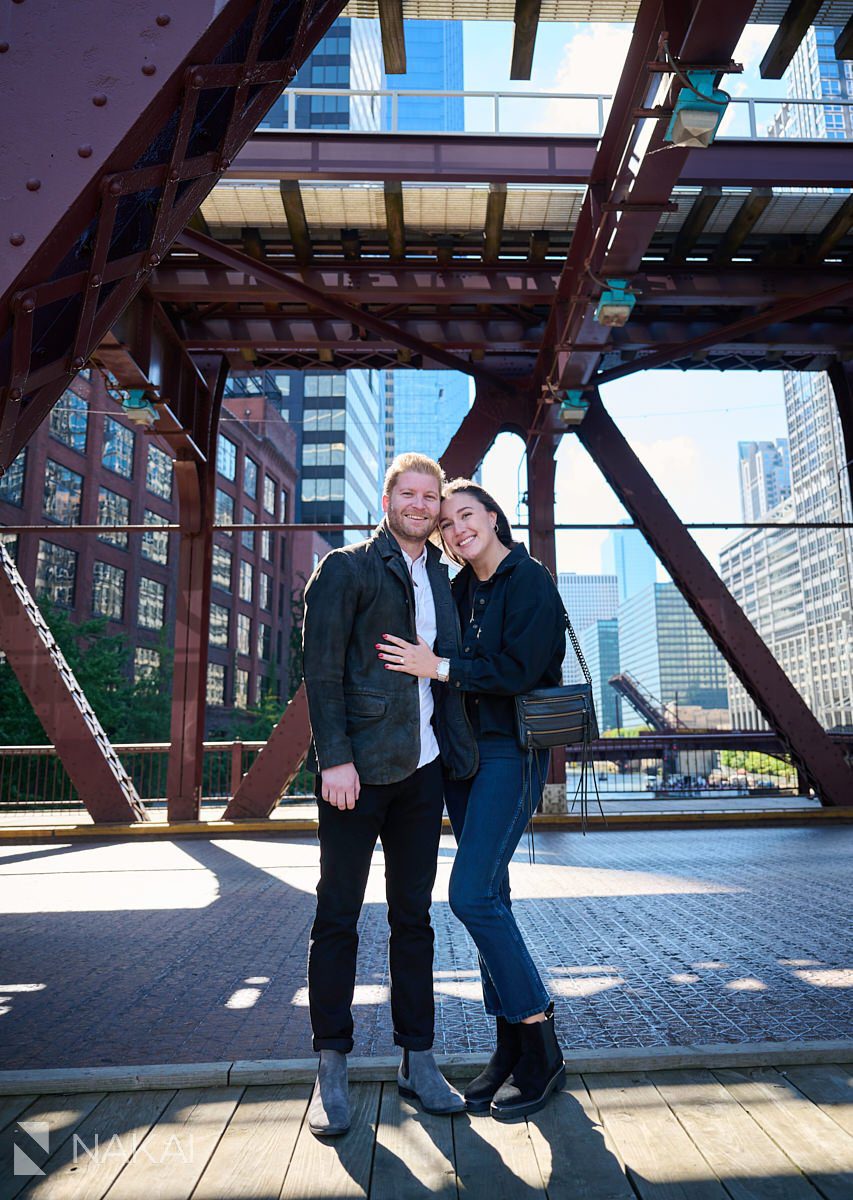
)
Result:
{"points": [[513, 640]]}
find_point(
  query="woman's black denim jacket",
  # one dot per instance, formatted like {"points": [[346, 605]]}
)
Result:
{"points": [[513, 638]]}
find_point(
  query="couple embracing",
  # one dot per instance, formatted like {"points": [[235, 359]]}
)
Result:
{"points": [[411, 683]]}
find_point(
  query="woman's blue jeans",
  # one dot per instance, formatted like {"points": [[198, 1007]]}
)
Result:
{"points": [[489, 814]]}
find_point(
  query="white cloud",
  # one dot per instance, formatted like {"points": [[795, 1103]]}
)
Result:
{"points": [[593, 59]]}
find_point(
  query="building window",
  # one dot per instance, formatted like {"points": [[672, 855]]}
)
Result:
{"points": [[247, 537], [224, 510], [219, 620], [56, 571], [108, 591], [146, 663], [244, 634], [285, 507], [266, 545], [9, 541], [247, 582], [69, 421], [12, 483], [155, 544], [221, 576], [158, 473], [270, 488], [264, 641], [266, 591], [322, 420], [113, 509], [118, 448], [63, 493], [152, 603], [241, 688], [250, 477], [325, 385], [226, 457], [215, 684]]}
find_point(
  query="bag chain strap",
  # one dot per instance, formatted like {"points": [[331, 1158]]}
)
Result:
{"points": [[577, 648]]}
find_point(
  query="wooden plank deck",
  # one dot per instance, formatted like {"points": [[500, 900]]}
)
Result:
{"points": [[751, 1134]]}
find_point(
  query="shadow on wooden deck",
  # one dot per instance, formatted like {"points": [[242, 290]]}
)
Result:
{"points": [[695, 1134]]}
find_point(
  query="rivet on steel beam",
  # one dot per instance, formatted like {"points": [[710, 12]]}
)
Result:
{"points": [[95, 281], [84, 151], [174, 176], [148, 68], [197, 79], [99, 99], [115, 187], [154, 260], [78, 363], [163, 19], [28, 304], [15, 394], [33, 185], [17, 239], [4, 47]]}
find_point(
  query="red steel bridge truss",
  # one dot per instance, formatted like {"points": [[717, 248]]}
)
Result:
{"points": [[131, 138]]}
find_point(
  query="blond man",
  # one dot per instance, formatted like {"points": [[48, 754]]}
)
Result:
{"points": [[381, 741]]}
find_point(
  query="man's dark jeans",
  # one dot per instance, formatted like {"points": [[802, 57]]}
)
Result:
{"points": [[407, 818]]}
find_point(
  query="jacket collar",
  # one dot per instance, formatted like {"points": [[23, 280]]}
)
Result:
{"points": [[389, 547]]}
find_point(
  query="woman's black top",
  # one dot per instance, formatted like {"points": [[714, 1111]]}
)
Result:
{"points": [[513, 638]]}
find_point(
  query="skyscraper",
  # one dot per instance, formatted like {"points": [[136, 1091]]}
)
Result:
{"points": [[765, 477], [433, 64], [588, 599], [663, 646], [627, 555], [423, 409], [600, 645], [796, 587]]}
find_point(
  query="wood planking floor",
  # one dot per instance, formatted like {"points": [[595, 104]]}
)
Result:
{"points": [[752, 1134]]}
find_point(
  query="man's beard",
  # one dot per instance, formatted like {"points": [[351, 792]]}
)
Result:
{"points": [[422, 530]]}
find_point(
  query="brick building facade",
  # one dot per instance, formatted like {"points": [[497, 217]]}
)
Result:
{"points": [[89, 465]]}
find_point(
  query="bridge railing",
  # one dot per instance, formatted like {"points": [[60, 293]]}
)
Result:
{"points": [[538, 114], [34, 786]]}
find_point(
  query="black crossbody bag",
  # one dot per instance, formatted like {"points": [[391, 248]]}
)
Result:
{"points": [[559, 716]]}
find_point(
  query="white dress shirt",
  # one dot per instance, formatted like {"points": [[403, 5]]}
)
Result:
{"points": [[427, 629]]}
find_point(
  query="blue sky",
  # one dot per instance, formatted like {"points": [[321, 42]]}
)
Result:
{"points": [[684, 426]]}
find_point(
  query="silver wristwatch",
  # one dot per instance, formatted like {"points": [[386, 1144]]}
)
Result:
{"points": [[442, 671]]}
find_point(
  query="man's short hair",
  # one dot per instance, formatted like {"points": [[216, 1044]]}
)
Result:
{"points": [[419, 463]]}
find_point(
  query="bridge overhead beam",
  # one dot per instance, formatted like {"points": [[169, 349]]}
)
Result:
{"points": [[181, 281], [349, 312], [100, 186], [518, 159], [821, 760]]}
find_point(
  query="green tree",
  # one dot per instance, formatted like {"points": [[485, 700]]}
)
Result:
{"points": [[102, 666]]}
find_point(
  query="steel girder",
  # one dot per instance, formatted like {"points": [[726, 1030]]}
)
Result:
{"points": [[101, 179], [500, 158], [293, 286], [145, 351], [819, 758], [631, 181], [40, 667], [183, 283], [271, 773]]}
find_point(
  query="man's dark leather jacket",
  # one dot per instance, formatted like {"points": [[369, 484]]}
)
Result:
{"points": [[360, 712]]}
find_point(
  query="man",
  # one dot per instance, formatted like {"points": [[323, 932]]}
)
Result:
{"points": [[378, 741]]}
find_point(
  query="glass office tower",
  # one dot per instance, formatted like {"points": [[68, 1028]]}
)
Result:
{"points": [[423, 409]]}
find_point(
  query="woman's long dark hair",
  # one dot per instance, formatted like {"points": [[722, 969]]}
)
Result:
{"points": [[468, 488]]}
